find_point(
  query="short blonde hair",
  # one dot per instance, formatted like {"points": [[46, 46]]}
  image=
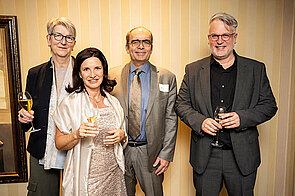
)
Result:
{"points": [[61, 21]]}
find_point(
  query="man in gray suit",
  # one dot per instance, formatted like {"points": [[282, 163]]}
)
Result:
{"points": [[147, 94], [242, 87]]}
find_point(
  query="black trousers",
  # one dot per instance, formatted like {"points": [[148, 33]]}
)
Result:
{"points": [[222, 168]]}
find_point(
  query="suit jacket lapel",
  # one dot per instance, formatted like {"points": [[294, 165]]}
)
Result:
{"points": [[241, 78], [154, 88], [206, 85], [124, 80], [46, 77]]}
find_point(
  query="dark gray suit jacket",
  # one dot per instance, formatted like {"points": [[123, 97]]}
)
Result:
{"points": [[253, 102], [161, 119]]}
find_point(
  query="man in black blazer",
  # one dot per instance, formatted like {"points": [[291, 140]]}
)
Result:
{"points": [[242, 87]]}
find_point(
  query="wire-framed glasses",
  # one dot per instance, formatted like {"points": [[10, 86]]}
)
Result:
{"points": [[145, 43]]}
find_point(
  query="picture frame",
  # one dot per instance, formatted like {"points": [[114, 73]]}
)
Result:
{"points": [[13, 158]]}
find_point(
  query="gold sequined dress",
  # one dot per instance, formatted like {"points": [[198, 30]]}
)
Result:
{"points": [[105, 177]]}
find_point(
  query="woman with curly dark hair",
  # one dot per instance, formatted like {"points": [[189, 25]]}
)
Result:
{"points": [[90, 125]]}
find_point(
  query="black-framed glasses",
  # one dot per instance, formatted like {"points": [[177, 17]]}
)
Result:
{"points": [[224, 37], [137, 42], [59, 37]]}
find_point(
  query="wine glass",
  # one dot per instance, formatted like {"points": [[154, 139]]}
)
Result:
{"points": [[26, 102], [92, 119], [218, 110]]}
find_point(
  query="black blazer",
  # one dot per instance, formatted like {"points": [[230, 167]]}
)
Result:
{"points": [[39, 82], [253, 102]]}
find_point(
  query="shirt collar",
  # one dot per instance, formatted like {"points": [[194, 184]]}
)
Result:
{"points": [[52, 62], [145, 68], [213, 62]]}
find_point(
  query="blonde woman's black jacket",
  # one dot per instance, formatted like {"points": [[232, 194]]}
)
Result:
{"points": [[39, 82]]}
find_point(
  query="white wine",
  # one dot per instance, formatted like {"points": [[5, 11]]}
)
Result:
{"points": [[217, 120], [92, 119], [26, 104]]}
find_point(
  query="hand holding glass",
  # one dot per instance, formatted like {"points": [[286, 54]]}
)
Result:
{"points": [[26, 102], [218, 110]]}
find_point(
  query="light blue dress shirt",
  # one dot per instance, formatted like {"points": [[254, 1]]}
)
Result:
{"points": [[145, 80]]}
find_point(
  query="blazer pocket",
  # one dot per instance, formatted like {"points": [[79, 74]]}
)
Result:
{"points": [[163, 98], [195, 137], [252, 135], [32, 186]]}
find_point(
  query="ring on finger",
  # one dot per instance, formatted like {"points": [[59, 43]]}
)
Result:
{"points": [[21, 115]]}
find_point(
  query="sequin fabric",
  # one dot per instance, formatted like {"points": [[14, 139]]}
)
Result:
{"points": [[105, 178]]}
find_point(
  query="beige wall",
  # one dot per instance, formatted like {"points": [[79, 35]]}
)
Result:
{"points": [[180, 30], [284, 174], [291, 184]]}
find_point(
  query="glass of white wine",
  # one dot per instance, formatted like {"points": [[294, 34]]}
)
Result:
{"points": [[26, 102], [218, 110], [92, 119]]}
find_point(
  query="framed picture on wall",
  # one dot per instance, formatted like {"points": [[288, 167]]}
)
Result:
{"points": [[13, 163]]}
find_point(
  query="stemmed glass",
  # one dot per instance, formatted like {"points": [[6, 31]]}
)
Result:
{"points": [[218, 110], [92, 119], [26, 102]]}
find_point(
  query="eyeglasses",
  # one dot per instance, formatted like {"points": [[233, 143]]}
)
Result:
{"points": [[224, 37], [59, 37], [145, 43]]}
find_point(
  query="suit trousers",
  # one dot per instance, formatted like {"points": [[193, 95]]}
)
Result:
{"points": [[136, 163], [43, 182], [222, 167]]}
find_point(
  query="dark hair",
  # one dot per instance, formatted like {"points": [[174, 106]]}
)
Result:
{"points": [[78, 84]]}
